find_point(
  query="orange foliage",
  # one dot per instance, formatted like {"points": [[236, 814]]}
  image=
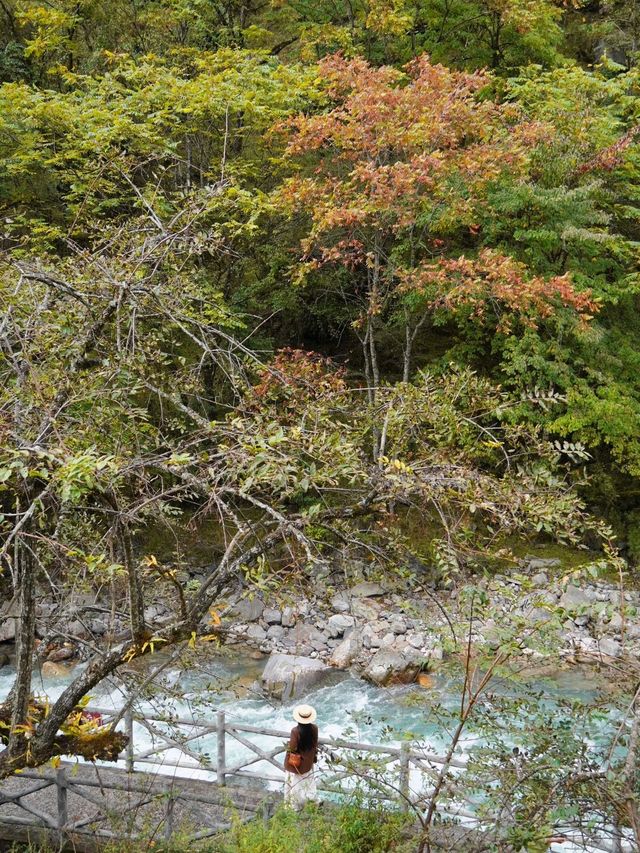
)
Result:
{"points": [[393, 141], [398, 151], [495, 280], [295, 378]]}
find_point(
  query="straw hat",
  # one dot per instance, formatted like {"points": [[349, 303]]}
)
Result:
{"points": [[304, 714]]}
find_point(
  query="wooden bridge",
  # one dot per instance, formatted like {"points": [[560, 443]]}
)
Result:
{"points": [[169, 784]]}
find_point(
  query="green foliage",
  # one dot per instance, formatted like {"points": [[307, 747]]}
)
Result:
{"points": [[139, 137], [348, 829]]}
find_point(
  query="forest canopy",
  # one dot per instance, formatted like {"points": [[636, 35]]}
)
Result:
{"points": [[298, 264]]}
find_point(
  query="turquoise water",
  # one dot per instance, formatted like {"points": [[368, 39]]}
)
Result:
{"points": [[347, 707]]}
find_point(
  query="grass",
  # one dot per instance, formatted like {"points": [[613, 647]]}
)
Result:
{"points": [[344, 829]]}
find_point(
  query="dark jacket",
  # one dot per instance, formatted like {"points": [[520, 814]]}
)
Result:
{"points": [[309, 756]]}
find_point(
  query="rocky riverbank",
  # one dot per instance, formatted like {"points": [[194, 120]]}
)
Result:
{"points": [[389, 634]]}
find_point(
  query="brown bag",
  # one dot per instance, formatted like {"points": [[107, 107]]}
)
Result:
{"points": [[294, 760]]}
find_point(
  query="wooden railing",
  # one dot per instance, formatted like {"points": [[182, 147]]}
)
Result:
{"points": [[402, 776], [396, 774]]}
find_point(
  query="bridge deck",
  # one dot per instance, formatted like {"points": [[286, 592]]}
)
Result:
{"points": [[102, 803]]}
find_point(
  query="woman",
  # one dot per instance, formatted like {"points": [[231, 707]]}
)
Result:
{"points": [[302, 752]]}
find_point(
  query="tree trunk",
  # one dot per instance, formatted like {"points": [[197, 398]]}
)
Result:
{"points": [[410, 336], [408, 346], [25, 637]]}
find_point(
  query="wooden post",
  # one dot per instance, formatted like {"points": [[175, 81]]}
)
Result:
{"points": [[267, 809], [220, 764], [404, 774], [61, 787], [168, 821], [128, 727]]}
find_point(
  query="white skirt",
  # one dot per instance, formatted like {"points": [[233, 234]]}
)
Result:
{"points": [[299, 787]]}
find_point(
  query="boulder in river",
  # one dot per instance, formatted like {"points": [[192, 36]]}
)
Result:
{"points": [[64, 652], [392, 667], [289, 676], [51, 669]]}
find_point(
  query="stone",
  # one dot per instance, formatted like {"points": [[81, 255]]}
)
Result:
{"points": [[154, 612], [388, 639], [303, 607], [582, 621], [291, 676], [341, 602], [63, 653], [319, 644], [288, 617], [338, 624], [539, 615], [98, 626], [256, 633], [272, 616], [416, 640], [587, 644], [391, 667], [540, 579], [616, 621], [435, 654], [50, 669], [537, 564], [276, 632], [4, 660], [7, 629], [366, 589], [369, 638], [76, 628], [398, 626], [305, 633], [344, 654], [248, 609], [574, 598], [610, 648], [365, 609], [538, 598]]}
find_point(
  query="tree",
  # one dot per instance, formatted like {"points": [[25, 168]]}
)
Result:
{"points": [[403, 165]]}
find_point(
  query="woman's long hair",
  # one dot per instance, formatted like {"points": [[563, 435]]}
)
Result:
{"points": [[307, 739]]}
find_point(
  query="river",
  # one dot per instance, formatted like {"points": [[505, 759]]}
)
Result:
{"points": [[348, 708]]}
